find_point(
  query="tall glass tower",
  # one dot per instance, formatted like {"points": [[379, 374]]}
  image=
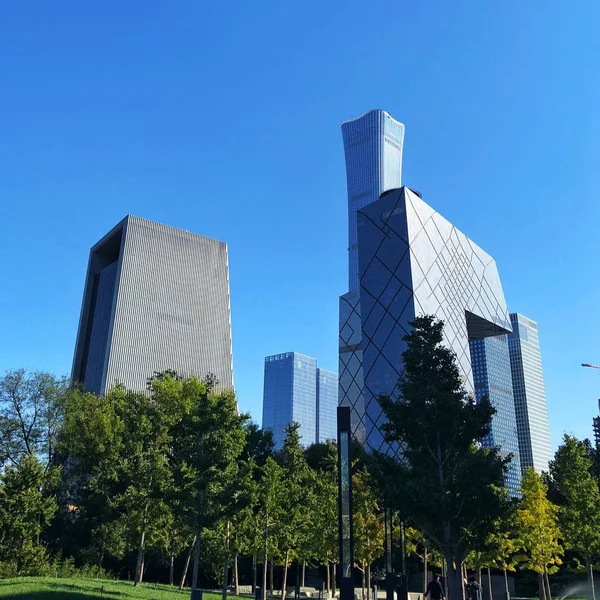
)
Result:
{"points": [[490, 361], [530, 396], [296, 390], [373, 148]]}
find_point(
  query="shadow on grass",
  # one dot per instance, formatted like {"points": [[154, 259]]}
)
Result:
{"points": [[46, 595]]}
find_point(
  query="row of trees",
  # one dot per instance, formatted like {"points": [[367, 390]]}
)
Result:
{"points": [[177, 474]]}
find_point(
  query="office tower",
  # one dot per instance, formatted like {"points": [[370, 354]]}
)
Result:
{"points": [[492, 377], [412, 261], [373, 146], [295, 390], [373, 149], [327, 401], [530, 397], [596, 427], [155, 298]]}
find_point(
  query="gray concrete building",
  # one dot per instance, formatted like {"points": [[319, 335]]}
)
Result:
{"points": [[155, 298]]}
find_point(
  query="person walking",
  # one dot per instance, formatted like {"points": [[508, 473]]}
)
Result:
{"points": [[435, 591], [473, 589]]}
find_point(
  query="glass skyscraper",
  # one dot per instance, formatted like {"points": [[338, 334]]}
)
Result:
{"points": [[295, 390], [490, 360], [373, 147], [530, 396], [327, 401]]}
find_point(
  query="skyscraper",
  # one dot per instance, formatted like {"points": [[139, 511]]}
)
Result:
{"points": [[412, 261], [295, 390], [490, 360], [155, 298], [327, 401], [373, 148], [530, 397]]}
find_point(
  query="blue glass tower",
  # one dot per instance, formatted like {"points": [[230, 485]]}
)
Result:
{"points": [[530, 396], [295, 390], [327, 401], [490, 361]]}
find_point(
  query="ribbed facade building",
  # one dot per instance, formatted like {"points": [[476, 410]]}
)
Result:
{"points": [[155, 298], [530, 395]]}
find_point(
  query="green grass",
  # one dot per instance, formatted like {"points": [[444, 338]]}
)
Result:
{"points": [[48, 588]]}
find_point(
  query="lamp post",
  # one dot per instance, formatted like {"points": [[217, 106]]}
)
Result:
{"points": [[346, 532]]}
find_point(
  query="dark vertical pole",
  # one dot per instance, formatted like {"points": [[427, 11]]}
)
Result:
{"points": [[346, 532], [390, 582]]}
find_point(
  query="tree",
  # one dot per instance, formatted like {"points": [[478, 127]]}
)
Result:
{"points": [[537, 530], [207, 445], [24, 511], [30, 415], [579, 510], [421, 547], [297, 500], [445, 482], [369, 527]]}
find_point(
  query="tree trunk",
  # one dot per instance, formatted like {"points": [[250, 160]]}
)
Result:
{"points": [[236, 576], [139, 565], [425, 557], [196, 564], [328, 579], [479, 576], [549, 593], [334, 578], [542, 591], [590, 575], [285, 572], [254, 574], [363, 582], [506, 588], [455, 580], [490, 583], [304, 574], [142, 570], [187, 564], [171, 564], [225, 565], [272, 578]]}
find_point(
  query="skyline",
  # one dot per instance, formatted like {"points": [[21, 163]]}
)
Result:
{"points": [[511, 128]]}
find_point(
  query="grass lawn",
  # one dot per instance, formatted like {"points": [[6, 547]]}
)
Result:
{"points": [[48, 588]]}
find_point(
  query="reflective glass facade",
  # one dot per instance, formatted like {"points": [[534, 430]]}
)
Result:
{"points": [[327, 401], [530, 395], [492, 378], [412, 261], [373, 149]]}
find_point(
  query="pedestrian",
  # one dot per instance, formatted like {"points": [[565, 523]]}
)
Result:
{"points": [[435, 591], [473, 589]]}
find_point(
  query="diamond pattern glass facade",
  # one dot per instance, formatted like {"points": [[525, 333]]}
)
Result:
{"points": [[490, 361], [411, 261], [530, 396]]}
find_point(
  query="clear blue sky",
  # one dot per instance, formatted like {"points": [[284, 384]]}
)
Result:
{"points": [[224, 118]]}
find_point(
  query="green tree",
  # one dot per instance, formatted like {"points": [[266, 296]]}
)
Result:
{"points": [[579, 509], [537, 530], [30, 415], [446, 482], [207, 446], [24, 511], [298, 500], [423, 549], [369, 527]]}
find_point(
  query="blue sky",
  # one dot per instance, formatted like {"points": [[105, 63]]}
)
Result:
{"points": [[224, 119]]}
